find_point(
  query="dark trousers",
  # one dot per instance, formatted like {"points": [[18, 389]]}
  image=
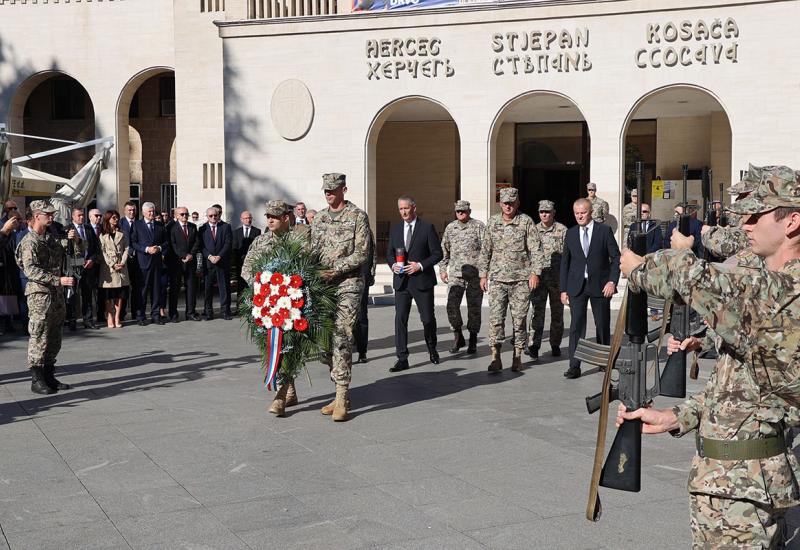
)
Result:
{"points": [[88, 286], [402, 307], [601, 310], [181, 273], [362, 324], [151, 284], [134, 290], [220, 273]]}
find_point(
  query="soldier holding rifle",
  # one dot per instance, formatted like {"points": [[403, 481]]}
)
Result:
{"points": [[743, 478]]}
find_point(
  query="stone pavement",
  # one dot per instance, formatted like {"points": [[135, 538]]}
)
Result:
{"points": [[165, 442]]}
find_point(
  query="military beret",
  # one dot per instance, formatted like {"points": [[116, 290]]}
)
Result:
{"points": [[546, 206], [462, 205], [509, 194], [778, 187], [42, 206], [277, 208], [332, 181], [591, 186]]}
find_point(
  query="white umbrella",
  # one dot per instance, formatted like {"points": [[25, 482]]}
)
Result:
{"points": [[29, 182]]}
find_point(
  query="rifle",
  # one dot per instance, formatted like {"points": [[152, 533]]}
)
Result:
{"points": [[710, 215], [723, 219], [73, 267]]}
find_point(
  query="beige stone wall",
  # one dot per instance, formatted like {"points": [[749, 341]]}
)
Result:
{"points": [[721, 155], [682, 140]]}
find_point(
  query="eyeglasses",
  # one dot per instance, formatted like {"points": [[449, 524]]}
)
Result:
{"points": [[182, 214], [211, 215], [11, 208], [461, 211], [645, 211], [545, 211]]}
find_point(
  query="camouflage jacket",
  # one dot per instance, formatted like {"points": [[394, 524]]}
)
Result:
{"points": [[725, 242], [734, 219], [552, 245], [264, 243], [754, 390], [461, 244], [342, 240], [629, 213], [41, 259], [510, 251], [600, 209]]}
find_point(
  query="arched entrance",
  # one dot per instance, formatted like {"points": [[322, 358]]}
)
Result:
{"points": [[413, 149], [540, 144], [146, 133], [52, 104], [668, 128]]}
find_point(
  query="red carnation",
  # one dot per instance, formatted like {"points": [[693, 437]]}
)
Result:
{"points": [[257, 276], [283, 290], [273, 300], [265, 312], [285, 313], [298, 303], [258, 300], [259, 322], [301, 324], [295, 281], [277, 320], [264, 291], [276, 279]]}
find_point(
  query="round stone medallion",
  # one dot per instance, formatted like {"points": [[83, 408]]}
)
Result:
{"points": [[292, 109]]}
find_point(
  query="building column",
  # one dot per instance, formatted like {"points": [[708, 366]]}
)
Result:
{"points": [[477, 180], [607, 165]]}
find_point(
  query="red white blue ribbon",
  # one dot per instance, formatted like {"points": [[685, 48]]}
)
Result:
{"points": [[274, 342]]}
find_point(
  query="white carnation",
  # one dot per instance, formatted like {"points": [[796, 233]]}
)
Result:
{"points": [[295, 314], [284, 302], [256, 288], [295, 293], [287, 325], [256, 312], [268, 322], [265, 277]]}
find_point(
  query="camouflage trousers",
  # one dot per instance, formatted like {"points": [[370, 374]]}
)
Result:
{"points": [[731, 523], [503, 296], [340, 362], [46, 313], [549, 287], [455, 293]]}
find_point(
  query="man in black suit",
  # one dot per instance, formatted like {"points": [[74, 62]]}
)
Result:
{"points": [[413, 279], [149, 240], [695, 229], [243, 237], [215, 243], [589, 273], [86, 294], [134, 272], [182, 265], [650, 228]]}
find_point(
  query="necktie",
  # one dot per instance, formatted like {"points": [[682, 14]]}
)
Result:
{"points": [[246, 232], [214, 232], [81, 233], [186, 231], [97, 230], [150, 226], [408, 238], [585, 243]]}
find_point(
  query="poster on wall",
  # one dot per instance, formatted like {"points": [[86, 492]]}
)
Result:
{"points": [[383, 5], [665, 194]]}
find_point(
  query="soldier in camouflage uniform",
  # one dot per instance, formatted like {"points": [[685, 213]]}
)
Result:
{"points": [[552, 234], [509, 268], [461, 244], [278, 214], [629, 213], [40, 255], [600, 207], [340, 233], [742, 479]]}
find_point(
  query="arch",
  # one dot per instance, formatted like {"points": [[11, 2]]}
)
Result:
{"points": [[543, 106], [670, 102], [122, 110]]}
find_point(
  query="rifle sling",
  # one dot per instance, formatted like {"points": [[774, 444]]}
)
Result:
{"points": [[593, 508]]}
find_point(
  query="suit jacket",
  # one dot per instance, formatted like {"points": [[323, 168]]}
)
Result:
{"points": [[695, 229], [425, 248], [219, 246], [602, 261], [180, 245], [92, 242], [142, 237], [242, 245], [654, 239]]}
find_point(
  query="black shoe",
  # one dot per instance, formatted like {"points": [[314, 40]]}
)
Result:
{"points": [[157, 320], [142, 322], [362, 358], [73, 325], [401, 364], [434, 357], [227, 317], [572, 372], [473, 343], [174, 319], [192, 316], [532, 352], [38, 384], [49, 372], [89, 324], [208, 317], [458, 341], [556, 351]]}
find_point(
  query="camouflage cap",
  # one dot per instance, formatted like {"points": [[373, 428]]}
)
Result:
{"points": [[749, 181], [779, 186], [462, 205], [332, 181], [509, 194], [42, 206], [277, 208], [546, 206], [591, 186], [634, 193]]}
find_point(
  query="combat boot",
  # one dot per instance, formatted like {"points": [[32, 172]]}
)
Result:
{"points": [[458, 341], [497, 364], [291, 395], [341, 405], [278, 406], [473, 343], [49, 372], [38, 384], [516, 363], [327, 410]]}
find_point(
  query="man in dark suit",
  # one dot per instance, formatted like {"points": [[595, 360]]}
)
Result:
{"points": [[87, 288], [589, 273], [149, 240], [134, 272], [215, 243], [651, 228], [695, 229], [181, 264], [415, 278], [243, 237]]}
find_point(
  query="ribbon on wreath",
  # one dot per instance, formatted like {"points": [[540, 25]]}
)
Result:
{"points": [[273, 359]]}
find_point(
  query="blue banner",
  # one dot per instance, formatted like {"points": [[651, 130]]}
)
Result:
{"points": [[382, 5]]}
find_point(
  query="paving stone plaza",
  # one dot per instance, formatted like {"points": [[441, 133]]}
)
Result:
{"points": [[165, 442]]}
